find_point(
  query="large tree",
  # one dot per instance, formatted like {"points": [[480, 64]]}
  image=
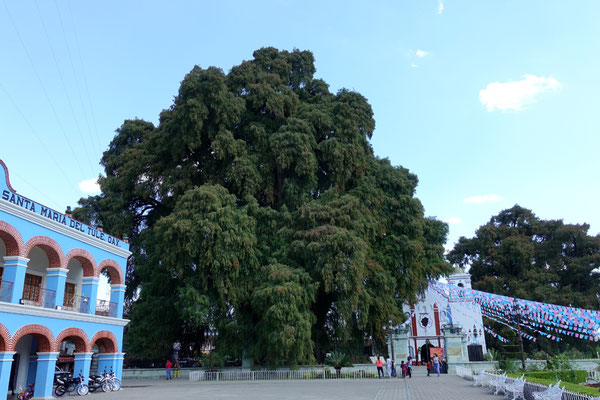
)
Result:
{"points": [[518, 254], [257, 205]]}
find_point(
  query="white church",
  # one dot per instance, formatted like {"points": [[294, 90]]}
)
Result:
{"points": [[425, 335]]}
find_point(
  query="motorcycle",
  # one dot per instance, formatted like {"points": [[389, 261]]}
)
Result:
{"points": [[71, 385]]}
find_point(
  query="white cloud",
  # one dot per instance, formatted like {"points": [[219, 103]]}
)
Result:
{"points": [[486, 198], [90, 186], [414, 65], [440, 7], [453, 220], [421, 53], [515, 95]]}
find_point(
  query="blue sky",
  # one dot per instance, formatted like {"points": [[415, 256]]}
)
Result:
{"points": [[490, 103]]}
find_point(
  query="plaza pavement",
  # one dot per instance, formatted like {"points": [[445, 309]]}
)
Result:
{"points": [[420, 387]]}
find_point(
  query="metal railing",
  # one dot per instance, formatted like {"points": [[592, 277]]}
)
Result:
{"points": [[77, 304], [593, 374], [106, 308], [6, 289], [38, 297], [300, 374], [531, 387]]}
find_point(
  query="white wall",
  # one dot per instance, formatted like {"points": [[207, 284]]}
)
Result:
{"points": [[38, 264], [75, 275], [23, 348]]}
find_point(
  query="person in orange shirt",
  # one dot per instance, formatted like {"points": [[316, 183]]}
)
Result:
{"points": [[379, 364]]}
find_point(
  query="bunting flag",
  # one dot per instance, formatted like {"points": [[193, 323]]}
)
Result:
{"points": [[544, 319], [494, 334]]}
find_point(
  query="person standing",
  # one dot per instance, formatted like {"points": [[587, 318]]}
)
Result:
{"points": [[379, 364], [168, 366], [409, 367], [403, 368], [394, 373], [389, 367], [436, 364], [428, 367], [177, 373]]}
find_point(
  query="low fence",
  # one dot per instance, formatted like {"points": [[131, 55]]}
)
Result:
{"points": [[248, 375], [528, 390]]}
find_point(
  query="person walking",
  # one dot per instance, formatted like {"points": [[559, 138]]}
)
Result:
{"points": [[379, 364], [436, 364], [389, 367], [168, 366], [177, 373], [428, 367]]}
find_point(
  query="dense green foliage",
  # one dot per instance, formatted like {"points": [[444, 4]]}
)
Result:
{"points": [[570, 375], [257, 205], [517, 254]]}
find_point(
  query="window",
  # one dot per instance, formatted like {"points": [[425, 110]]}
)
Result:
{"points": [[31, 289], [69, 295]]}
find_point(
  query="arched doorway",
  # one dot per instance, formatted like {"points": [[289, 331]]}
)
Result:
{"points": [[80, 265], [111, 304], [11, 245], [69, 343], [27, 342], [104, 346], [43, 253]]}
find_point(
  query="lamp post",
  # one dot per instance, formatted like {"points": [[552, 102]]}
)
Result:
{"points": [[516, 313], [391, 330], [210, 334]]}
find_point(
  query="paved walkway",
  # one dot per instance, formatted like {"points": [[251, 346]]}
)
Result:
{"points": [[420, 387]]}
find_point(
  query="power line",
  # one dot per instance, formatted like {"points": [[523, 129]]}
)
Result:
{"points": [[67, 179], [64, 85], [98, 144], [44, 90]]}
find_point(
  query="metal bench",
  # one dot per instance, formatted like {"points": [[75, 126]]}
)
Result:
{"points": [[478, 380], [515, 388], [552, 393], [498, 385]]}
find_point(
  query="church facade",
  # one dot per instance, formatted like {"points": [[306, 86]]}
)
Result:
{"points": [[428, 317], [50, 309]]}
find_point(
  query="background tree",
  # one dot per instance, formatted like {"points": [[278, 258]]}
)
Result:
{"points": [[257, 205], [517, 254]]}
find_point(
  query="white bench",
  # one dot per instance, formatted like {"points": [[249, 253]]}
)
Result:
{"points": [[552, 393], [498, 385], [478, 380], [515, 388]]}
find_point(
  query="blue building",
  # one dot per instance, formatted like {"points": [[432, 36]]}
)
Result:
{"points": [[50, 269]]}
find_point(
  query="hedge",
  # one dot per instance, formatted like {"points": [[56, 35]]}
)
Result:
{"points": [[572, 376]]}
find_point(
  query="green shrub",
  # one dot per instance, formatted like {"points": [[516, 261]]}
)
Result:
{"points": [[572, 376], [560, 362], [508, 365]]}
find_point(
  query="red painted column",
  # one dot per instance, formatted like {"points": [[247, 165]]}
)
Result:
{"points": [[436, 316], [413, 316]]}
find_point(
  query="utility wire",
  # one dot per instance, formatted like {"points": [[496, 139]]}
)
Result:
{"points": [[85, 110], [67, 179], [44, 89], [96, 139], [93, 170]]}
